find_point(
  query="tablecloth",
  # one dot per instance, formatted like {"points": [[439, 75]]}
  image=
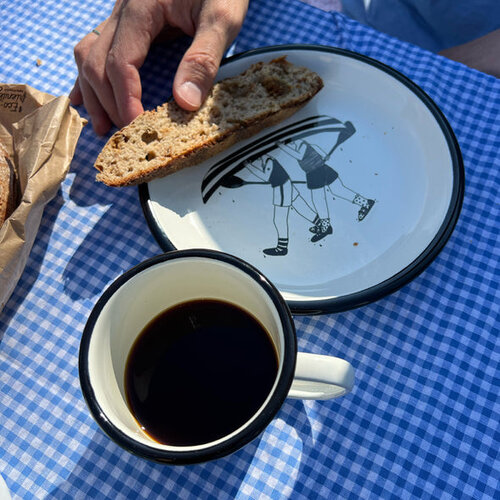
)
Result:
{"points": [[423, 419]]}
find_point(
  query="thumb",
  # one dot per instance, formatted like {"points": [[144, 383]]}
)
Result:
{"points": [[197, 70], [217, 24]]}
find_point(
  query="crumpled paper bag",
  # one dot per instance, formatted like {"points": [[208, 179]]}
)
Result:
{"points": [[40, 132]]}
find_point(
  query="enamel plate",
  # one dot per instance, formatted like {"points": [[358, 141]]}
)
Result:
{"points": [[344, 202]]}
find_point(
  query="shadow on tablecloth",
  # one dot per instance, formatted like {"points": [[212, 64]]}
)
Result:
{"points": [[265, 465]]}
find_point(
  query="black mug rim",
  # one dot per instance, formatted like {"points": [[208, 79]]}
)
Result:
{"points": [[220, 449]]}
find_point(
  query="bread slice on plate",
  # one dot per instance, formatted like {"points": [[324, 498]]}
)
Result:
{"points": [[7, 185], [163, 141]]}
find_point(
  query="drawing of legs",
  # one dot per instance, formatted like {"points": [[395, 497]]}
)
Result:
{"points": [[287, 196], [282, 200], [322, 225], [321, 176], [339, 190], [303, 208], [280, 220]]}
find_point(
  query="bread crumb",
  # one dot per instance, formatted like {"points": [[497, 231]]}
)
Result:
{"points": [[38, 62]]}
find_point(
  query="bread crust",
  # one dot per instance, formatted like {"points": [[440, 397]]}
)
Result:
{"points": [[236, 109]]}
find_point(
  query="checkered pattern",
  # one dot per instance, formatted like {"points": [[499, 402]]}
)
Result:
{"points": [[423, 420]]}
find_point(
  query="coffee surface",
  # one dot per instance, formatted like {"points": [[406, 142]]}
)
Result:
{"points": [[198, 371]]}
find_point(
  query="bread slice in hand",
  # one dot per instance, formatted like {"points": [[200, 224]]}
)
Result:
{"points": [[160, 142]]}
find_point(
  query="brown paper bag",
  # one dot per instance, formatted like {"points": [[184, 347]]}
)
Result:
{"points": [[40, 133]]}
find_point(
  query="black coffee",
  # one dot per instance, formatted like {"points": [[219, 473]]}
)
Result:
{"points": [[198, 371]]}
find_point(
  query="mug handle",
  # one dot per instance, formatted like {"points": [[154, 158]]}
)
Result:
{"points": [[321, 377]]}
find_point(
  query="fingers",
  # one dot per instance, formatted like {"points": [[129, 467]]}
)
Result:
{"points": [[108, 82], [139, 23], [92, 86], [99, 116], [75, 96], [217, 25]]}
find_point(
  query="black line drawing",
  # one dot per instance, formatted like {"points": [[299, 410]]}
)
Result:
{"points": [[322, 181], [321, 177], [230, 165], [285, 196]]}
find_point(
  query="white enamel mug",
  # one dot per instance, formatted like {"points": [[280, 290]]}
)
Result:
{"points": [[141, 294], [4, 491]]}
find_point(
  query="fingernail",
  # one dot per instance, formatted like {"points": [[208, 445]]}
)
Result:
{"points": [[191, 93]]}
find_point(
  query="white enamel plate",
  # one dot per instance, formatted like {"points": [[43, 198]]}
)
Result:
{"points": [[339, 205]]}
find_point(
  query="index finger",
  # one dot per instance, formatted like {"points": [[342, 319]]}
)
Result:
{"points": [[136, 28]]}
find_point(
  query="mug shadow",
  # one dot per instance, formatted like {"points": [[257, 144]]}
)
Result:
{"points": [[233, 476], [135, 477], [312, 441]]}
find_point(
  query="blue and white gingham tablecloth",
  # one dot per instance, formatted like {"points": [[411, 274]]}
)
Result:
{"points": [[423, 420]]}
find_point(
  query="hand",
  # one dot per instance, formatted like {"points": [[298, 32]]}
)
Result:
{"points": [[108, 82]]}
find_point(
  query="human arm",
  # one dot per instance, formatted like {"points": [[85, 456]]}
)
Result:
{"points": [[108, 82], [482, 53]]}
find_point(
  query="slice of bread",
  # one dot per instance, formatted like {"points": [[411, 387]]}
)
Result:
{"points": [[7, 180], [160, 142]]}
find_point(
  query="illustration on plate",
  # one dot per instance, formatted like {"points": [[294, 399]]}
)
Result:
{"points": [[268, 159]]}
